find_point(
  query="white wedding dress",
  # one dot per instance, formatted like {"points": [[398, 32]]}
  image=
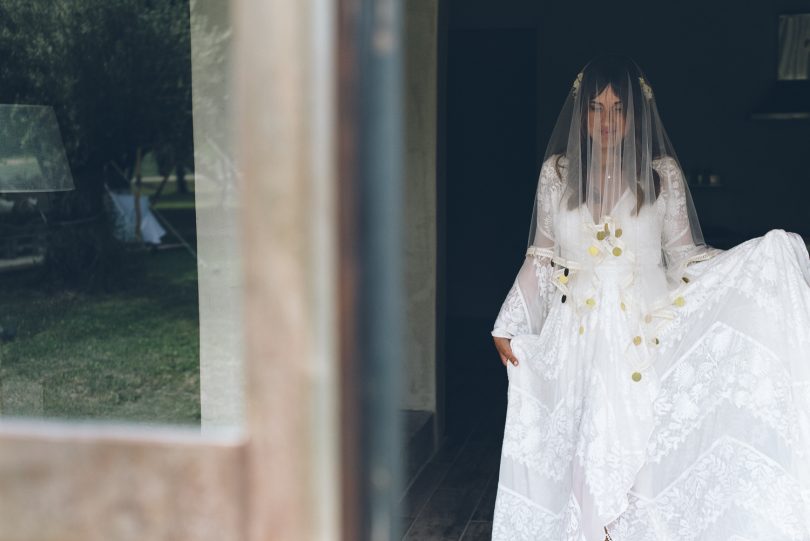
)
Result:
{"points": [[661, 404]]}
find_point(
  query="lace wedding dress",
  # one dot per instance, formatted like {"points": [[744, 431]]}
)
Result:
{"points": [[658, 404]]}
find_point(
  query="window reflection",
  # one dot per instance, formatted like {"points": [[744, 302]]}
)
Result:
{"points": [[103, 252]]}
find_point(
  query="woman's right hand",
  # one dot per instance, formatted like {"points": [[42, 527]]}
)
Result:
{"points": [[505, 350]]}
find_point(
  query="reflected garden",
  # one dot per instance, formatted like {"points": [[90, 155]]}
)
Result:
{"points": [[98, 283]]}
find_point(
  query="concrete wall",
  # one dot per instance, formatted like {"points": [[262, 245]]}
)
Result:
{"points": [[421, 20]]}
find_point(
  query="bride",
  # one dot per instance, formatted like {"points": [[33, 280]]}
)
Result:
{"points": [[659, 388]]}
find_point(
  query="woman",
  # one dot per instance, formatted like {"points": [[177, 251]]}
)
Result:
{"points": [[659, 388]]}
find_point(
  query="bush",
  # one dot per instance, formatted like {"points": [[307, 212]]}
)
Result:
{"points": [[82, 252]]}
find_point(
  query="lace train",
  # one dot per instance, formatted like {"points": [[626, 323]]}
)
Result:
{"points": [[711, 444]]}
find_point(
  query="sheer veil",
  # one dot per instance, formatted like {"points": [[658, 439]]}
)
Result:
{"points": [[608, 159], [609, 143]]}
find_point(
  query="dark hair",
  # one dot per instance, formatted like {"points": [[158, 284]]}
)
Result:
{"points": [[622, 74]]}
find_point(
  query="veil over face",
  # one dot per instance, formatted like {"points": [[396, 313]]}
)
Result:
{"points": [[608, 160]]}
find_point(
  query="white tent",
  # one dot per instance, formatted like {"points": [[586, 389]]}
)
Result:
{"points": [[123, 208]]}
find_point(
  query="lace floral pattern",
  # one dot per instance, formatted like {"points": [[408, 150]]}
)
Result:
{"points": [[726, 457], [512, 319], [518, 519], [677, 243], [539, 438], [526, 305], [551, 187], [725, 367], [730, 479]]}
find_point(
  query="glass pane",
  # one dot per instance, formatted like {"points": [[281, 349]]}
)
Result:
{"points": [[119, 259]]}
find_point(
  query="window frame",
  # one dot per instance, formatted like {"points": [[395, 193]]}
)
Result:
{"points": [[277, 476]]}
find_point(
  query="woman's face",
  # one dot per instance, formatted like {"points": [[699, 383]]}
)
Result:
{"points": [[606, 118]]}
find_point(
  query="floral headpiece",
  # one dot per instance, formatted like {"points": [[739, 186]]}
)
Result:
{"points": [[577, 81], [645, 87]]}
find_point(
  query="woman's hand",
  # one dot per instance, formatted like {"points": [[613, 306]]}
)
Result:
{"points": [[505, 350]]}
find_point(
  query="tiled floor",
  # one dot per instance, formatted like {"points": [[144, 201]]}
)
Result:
{"points": [[453, 497]]}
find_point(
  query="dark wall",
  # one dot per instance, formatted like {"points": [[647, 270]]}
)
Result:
{"points": [[489, 146], [491, 166]]}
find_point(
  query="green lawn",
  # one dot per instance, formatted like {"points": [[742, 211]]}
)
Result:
{"points": [[169, 198], [130, 355]]}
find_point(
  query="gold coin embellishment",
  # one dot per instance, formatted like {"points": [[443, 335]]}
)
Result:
{"points": [[619, 232], [679, 301], [563, 279], [617, 251], [636, 376], [623, 307], [656, 341], [607, 229], [601, 235], [590, 301], [637, 340], [593, 250], [581, 329], [685, 280]]}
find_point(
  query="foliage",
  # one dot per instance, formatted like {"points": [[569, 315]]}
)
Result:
{"points": [[118, 74], [83, 253]]}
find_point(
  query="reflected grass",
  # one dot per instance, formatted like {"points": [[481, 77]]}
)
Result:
{"points": [[128, 355], [170, 199]]}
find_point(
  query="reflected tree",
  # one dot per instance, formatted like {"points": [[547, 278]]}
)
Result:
{"points": [[118, 75]]}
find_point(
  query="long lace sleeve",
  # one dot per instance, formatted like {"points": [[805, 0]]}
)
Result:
{"points": [[681, 244], [527, 303]]}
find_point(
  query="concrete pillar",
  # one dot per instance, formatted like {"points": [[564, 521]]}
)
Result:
{"points": [[421, 39]]}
